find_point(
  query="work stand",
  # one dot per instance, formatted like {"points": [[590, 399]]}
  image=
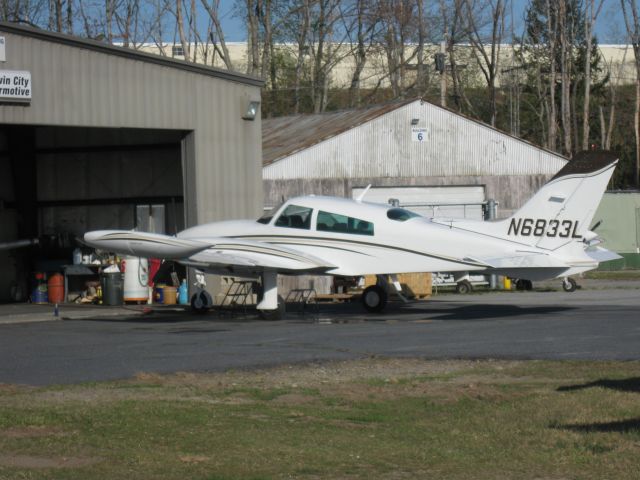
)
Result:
{"points": [[302, 301]]}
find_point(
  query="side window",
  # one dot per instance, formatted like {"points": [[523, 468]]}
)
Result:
{"points": [[333, 222], [295, 216]]}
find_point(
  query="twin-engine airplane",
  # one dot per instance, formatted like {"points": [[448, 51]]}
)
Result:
{"points": [[548, 237]]}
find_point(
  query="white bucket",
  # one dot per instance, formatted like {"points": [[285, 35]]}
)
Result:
{"points": [[136, 279]]}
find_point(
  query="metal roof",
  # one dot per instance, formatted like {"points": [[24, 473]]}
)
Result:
{"points": [[283, 136], [385, 142], [128, 53]]}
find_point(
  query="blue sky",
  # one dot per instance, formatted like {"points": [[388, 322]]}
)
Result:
{"points": [[609, 26]]}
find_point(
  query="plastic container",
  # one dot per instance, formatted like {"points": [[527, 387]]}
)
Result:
{"points": [[136, 279], [77, 256], [170, 294], [158, 293], [39, 294], [55, 287], [183, 293], [112, 288]]}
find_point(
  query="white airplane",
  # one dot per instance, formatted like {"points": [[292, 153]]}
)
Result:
{"points": [[548, 237]]}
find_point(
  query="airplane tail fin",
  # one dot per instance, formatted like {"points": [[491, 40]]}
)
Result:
{"points": [[563, 209]]}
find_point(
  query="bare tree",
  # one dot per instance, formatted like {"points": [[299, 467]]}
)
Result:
{"points": [[590, 15], [216, 34], [486, 46], [606, 128], [183, 35], [552, 30], [365, 21], [30, 12], [632, 23]]}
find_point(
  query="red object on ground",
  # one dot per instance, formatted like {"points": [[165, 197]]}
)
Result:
{"points": [[154, 266], [55, 286]]}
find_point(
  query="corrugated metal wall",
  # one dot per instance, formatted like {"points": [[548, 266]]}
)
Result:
{"points": [[77, 83], [620, 215], [453, 146]]}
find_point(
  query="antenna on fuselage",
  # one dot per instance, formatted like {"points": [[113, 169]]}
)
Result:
{"points": [[364, 192]]}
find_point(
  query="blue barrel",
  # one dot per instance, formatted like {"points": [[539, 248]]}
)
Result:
{"points": [[40, 294]]}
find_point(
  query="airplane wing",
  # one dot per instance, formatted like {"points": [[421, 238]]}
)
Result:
{"points": [[208, 254]]}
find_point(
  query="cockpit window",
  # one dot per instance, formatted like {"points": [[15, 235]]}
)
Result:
{"points": [[400, 214], [333, 222], [268, 215], [295, 216]]}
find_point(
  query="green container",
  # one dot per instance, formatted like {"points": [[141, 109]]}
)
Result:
{"points": [[112, 288]]}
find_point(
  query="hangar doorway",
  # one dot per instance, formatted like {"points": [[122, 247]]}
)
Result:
{"points": [[56, 183]]}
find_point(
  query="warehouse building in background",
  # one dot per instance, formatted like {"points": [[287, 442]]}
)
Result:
{"points": [[94, 136]]}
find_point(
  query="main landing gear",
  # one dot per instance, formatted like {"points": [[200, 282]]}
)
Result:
{"points": [[374, 298], [522, 284], [201, 301]]}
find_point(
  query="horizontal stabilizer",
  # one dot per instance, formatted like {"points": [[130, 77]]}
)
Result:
{"points": [[600, 254]]}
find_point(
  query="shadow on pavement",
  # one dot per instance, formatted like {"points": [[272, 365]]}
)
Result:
{"points": [[622, 385], [438, 312]]}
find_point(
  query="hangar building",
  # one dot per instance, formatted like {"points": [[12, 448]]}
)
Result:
{"points": [[431, 159], [92, 135]]}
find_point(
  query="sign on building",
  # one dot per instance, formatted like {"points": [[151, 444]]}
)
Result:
{"points": [[3, 55], [418, 134], [15, 86]]}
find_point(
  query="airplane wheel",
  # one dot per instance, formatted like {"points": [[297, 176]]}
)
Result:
{"points": [[569, 285], [201, 301], [277, 314], [464, 287], [374, 298], [522, 284]]}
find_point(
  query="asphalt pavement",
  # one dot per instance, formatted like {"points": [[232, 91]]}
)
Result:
{"points": [[602, 324]]}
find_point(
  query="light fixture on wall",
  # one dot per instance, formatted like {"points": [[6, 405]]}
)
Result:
{"points": [[252, 110], [415, 121]]}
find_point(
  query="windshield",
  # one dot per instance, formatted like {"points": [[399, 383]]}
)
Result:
{"points": [[268, 215]]}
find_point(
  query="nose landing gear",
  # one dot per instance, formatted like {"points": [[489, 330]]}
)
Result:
{"points": [[569, 284]]}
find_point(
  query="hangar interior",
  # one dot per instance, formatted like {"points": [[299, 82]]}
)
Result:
{"points": [[58, 182]]}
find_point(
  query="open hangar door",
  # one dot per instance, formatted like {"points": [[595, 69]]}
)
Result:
{"points": [[56, 183]]}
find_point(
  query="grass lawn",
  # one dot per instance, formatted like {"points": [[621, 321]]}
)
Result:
{"points": [[373, 418]]}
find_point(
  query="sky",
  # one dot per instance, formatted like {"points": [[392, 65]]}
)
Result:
{"points": [[609, 25]]}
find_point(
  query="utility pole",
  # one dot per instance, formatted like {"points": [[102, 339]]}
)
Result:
{"points": [[440, 61], [443, 78]]}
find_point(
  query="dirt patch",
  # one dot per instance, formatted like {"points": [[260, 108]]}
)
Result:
{"points": [[28, 461], [294, 399], [193, 458], [314, 374], [32, 432]]}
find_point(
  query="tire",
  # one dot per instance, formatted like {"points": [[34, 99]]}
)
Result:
{"points": [[522, 284], [569, 285], [374, 299], [201, 301], [464, 287], [277, 314]]}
